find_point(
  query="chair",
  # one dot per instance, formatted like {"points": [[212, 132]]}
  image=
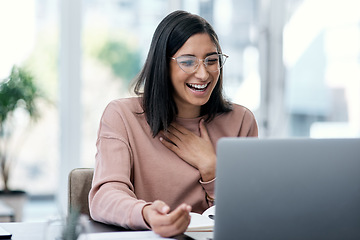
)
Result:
{"points": [[80, 180]]}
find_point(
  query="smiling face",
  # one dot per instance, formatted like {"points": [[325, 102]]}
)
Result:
{"points": [[193, 90]]}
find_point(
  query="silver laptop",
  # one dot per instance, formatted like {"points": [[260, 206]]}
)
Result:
{"points": [[287, 189]]}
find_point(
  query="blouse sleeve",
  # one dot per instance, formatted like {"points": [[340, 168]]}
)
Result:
{"points": [[112, 199], [249, 126]]}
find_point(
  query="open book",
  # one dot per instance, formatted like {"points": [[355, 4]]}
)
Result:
{"points": [[202, 222]]}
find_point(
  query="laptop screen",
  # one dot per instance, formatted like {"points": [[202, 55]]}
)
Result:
{"points": [[287, 189]]}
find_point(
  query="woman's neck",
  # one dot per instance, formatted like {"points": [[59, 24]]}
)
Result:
{"points": [[188, 112]]}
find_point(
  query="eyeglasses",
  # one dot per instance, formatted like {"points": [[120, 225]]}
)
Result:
{"points": [[190, 64]]}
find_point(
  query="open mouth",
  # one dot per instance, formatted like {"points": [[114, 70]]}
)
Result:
{"points": [[198, 87]]}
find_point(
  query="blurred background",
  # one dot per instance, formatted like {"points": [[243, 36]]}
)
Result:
{"points": [[294, 63]]}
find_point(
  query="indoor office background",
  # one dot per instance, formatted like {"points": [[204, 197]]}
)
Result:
{"points": [[294, 63]]}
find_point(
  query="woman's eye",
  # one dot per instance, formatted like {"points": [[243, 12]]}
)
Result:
{"points": [[187, 63], [211, 61]]}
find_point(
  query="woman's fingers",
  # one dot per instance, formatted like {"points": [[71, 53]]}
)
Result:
{"points": [[167, 223], [198, 151], [174, 223], [161, 207]]}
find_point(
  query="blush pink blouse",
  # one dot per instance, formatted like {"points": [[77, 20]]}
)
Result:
{"points": [[133, 168]]}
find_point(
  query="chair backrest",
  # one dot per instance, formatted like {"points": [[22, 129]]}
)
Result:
{"points": [[80, 180]]}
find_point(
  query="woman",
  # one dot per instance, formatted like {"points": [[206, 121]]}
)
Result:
{"points": [[156, 157]]}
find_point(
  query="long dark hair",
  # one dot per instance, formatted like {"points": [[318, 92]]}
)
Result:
{"points": [[158, 102]]}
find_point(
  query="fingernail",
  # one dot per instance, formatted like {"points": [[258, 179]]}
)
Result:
{"points": [[165, 209]]}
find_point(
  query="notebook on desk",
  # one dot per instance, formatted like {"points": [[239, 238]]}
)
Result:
{"points": [[287, 189]]}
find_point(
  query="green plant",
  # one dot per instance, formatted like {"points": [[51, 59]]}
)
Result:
{"points": [[124, 62], [18, 91]]}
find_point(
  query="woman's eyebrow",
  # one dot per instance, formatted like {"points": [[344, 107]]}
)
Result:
{"points": [[212, 53], [187, 55], [192, 55]]}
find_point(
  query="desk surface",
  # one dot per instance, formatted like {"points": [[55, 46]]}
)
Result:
{"points": [[48, 230]]}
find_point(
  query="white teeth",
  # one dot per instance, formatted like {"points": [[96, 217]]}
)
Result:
{"points": [[197, 86]]}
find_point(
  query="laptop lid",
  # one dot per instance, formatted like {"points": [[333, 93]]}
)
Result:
{"points": [[287, 189]]}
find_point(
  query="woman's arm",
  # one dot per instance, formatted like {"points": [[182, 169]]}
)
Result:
{"points": [[112, 199]]}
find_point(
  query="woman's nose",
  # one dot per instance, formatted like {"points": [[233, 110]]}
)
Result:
{"points": [[202, 72]]}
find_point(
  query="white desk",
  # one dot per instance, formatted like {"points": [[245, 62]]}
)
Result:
{"points": [[48, 231]]}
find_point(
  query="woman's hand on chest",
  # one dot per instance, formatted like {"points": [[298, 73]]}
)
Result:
{"points": [[198, 151]]}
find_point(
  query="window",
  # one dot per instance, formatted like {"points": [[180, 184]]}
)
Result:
{"points": [[321, 54], [29, 38]]}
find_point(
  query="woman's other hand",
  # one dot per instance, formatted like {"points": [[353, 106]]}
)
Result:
{"points": [[165, 223], [198, 151]]}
